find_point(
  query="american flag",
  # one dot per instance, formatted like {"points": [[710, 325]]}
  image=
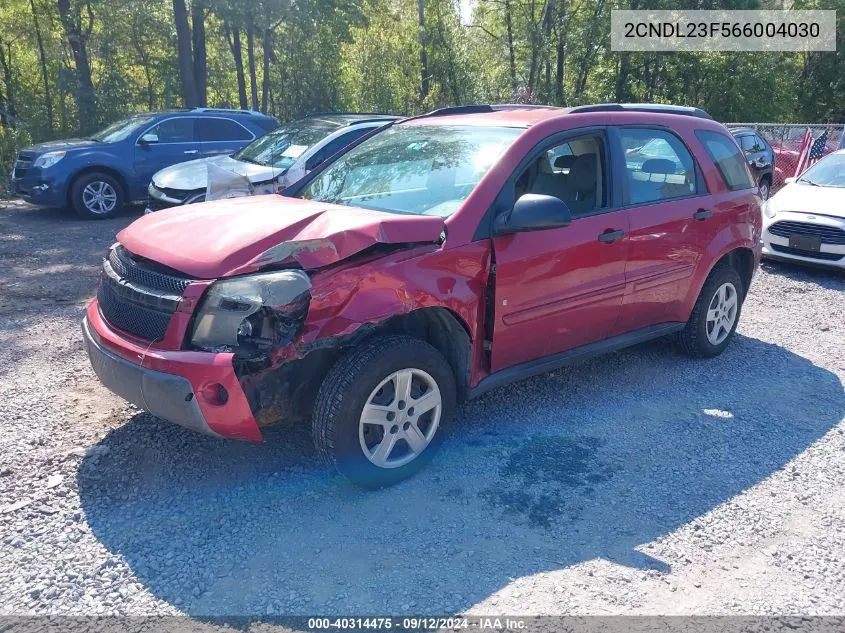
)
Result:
{"points": [[811, 151]]}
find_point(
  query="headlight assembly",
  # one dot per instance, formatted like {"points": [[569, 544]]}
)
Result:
{"points": [[48, 160], [253, 312], [769, 208]]}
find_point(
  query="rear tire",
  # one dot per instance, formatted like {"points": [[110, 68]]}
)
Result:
{"points": [[715, 316], [96, 196], [366, 427]]}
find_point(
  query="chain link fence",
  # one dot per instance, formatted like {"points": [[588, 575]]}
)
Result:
{"points": [[786, 139]]}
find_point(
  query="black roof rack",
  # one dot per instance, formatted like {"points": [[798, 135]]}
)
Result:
{"points": [[227, 111], [656, 108], [375, 115], [487, 107]]}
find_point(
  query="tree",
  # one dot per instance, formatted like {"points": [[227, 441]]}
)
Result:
{"points": [[77, 31]]}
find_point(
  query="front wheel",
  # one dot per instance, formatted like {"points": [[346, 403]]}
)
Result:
{"points": [[96, 196], [765, 189], [715, 316], [384, 409]]}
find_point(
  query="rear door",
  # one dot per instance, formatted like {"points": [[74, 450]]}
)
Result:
{"points": [[168, 142], [219, 135], [670, 222], [561, 288]]}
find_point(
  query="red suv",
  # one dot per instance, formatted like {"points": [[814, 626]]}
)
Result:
{"points": [[441, 257]]}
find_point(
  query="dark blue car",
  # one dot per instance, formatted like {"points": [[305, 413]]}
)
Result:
{"points": [[97, 175]]}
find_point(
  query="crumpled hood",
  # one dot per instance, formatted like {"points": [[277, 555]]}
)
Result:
{"points": [[193, 174], [238, 235], [803, 198]]}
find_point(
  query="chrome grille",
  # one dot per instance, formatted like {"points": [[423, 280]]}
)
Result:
{"points": [[136, 299], [827, 234], [22, 165]]}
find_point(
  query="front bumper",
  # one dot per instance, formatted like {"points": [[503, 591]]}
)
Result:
{"points": [[777, 246], [159, 200], [179, 386], [43, 192]]}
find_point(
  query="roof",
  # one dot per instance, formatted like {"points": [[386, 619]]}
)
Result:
{"points": [[523, 116], [512, 117], [348, 118], [742, 130]]}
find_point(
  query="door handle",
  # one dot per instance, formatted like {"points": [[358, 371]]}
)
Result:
{"points": [[191, 151], [702, 214], [610, 236]]}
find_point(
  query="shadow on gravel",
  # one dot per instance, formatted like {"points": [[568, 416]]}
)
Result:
{"points": [[588, 462]]}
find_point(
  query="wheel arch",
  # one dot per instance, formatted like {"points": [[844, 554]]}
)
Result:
{"points": [[289, 390], [91, 169]]}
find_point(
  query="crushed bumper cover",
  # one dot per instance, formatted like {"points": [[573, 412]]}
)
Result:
{"points": [[177, 386]]}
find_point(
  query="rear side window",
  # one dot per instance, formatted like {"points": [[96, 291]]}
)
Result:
{"points": [[179, 130], [729, 160], [213, 129], [658, 165]]}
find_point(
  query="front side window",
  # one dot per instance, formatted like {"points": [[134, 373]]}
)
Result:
{"points": [[572, 172], [282, 147], [658, 166], [219, 130], [121, 129], [174, 130], [413, 169], [728, 159]]}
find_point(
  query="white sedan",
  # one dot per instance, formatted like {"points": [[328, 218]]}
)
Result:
{"points": [[805, 221]]}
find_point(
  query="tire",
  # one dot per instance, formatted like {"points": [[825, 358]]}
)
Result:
{"points": [[341, 437], [697, 338], [96, 196], [765, 188]]}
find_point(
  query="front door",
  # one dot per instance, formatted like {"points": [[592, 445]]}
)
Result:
{"points": [[561, 288], [169, 142]]}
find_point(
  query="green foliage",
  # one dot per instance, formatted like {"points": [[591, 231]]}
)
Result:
{"points": [[366, 55]]}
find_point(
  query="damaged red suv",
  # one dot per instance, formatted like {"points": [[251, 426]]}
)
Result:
{"points": [[441, 257]]}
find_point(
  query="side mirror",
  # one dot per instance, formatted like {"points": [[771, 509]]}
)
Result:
{"points": [[148, 139], [789, 180], [534, 212]]}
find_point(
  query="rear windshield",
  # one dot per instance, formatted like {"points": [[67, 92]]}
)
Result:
{"points": [[413, 169], [728, 158], [283, 146]]}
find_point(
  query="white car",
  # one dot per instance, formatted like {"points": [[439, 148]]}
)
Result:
{"points": [[268, 164], [805, 221]]}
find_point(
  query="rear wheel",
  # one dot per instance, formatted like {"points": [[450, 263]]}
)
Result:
{"points": [[715, 316], [384, 409], [96, 196]]}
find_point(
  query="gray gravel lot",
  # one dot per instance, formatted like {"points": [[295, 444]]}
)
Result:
{"points": [[643, 482]]}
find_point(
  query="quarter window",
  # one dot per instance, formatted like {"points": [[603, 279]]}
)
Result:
{"points": [[174, 130], [658, 165], [221, 130], [573, 172], [728, 159]]}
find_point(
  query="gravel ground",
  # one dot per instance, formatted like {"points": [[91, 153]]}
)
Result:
{"points": [[639, 483]]}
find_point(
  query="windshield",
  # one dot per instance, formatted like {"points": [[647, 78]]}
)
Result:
{"points": [[280, 148], [120, 130], [415, 169], [828, 172]]}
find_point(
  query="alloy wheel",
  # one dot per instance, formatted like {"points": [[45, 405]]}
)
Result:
{"points": [[721, 313], [400, 418], [99, 197]]}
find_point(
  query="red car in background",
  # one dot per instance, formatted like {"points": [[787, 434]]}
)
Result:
{"points": [[442, 257]]}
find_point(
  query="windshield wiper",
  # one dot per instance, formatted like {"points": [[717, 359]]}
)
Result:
{"points": [[250, 160], [809, 182]]}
